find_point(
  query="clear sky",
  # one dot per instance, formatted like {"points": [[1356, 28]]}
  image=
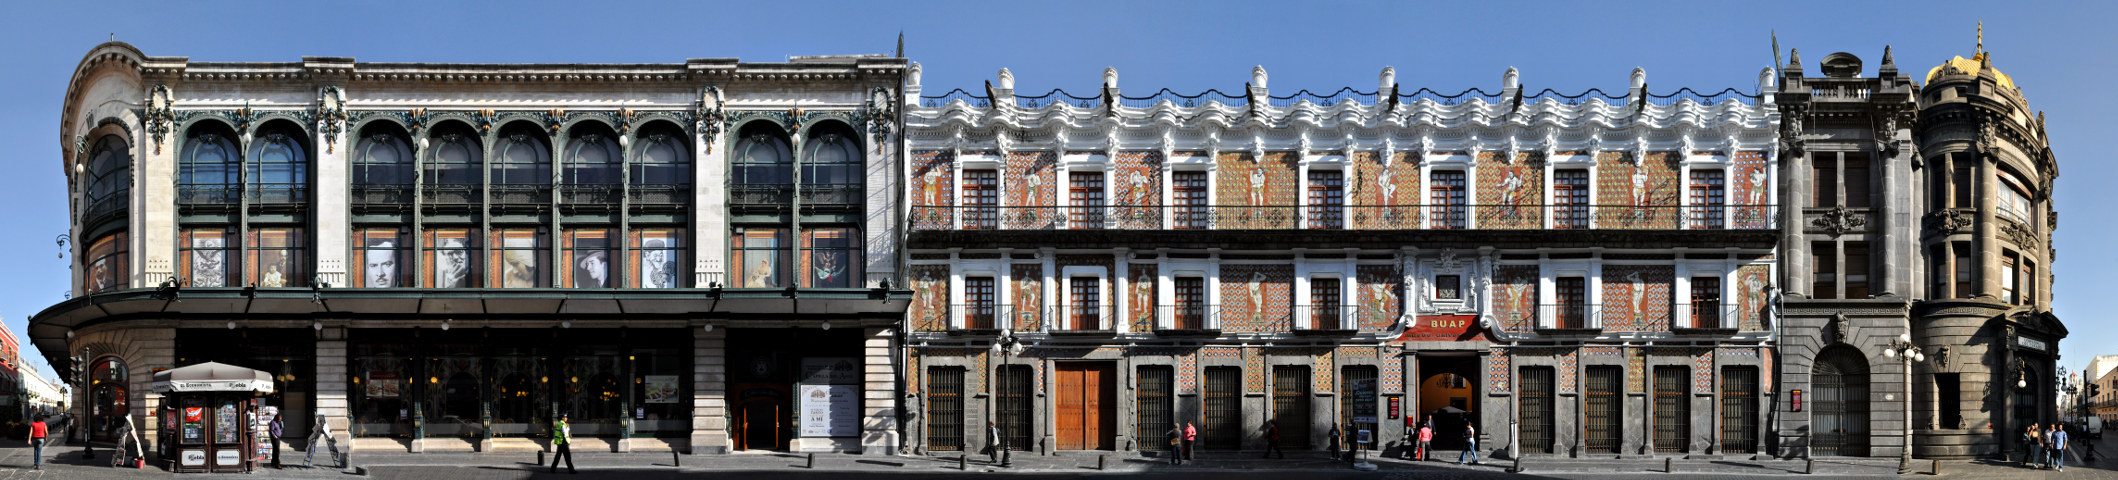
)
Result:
{"points": [[2060, 55]]}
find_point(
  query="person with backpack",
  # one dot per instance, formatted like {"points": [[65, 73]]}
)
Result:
{"points": [[1176, 444], [1272, 439], [1470, 444]]}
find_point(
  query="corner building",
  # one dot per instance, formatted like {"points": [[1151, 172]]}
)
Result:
{"points": [[445, 257], [1088, 270], [1922, 211]]}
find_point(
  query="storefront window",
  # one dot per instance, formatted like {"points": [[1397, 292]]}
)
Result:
{"points": [[588, 254], [663, 405], [275, 258], [515, 260], [451, 259], [379, 388], [657, 254]]}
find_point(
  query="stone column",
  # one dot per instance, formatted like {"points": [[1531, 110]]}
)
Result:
{"points": [[332, 399], [878, 434], [709, 391]]}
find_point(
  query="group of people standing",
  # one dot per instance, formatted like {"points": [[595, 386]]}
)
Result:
{"points": [[2045, 446]]}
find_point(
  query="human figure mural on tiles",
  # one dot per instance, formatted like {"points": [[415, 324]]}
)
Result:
{"points": [[1265, 293], [1515, 296], [1374, 188], [1138, 178], [1031, 182], [930, 298], [1027, 299], [1642, 196], [1636, 298], [1142, 303], [1380, 294], [1261, 190], [933, 180], [1511, 191], [1750, 188], [1753, 280]]}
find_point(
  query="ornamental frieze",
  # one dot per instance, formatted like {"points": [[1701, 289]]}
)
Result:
{"points": [[1839, 220]]}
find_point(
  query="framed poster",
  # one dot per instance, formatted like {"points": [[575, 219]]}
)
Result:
{"points": [[830, 410], [661, 388]]}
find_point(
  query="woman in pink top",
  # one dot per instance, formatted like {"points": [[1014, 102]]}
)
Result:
{"points": [[1426, 438]]}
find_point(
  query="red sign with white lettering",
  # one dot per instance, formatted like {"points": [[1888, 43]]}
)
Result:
{"points": [[1445, 328]]}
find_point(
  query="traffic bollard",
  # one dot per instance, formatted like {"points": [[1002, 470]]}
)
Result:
{"points": [[1102, 461], [676, 459], [812, 460], [1669, 465], [1809, 466], [963, 462]]}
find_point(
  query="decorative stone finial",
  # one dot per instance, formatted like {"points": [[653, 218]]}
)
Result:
{"points": [[1387, 79], [1511, 80], [1887, 61], [1007, 79], [1110, 77], [1639, 77], [1765, 78], [1257, 76], [914, 72], [1794, 58]]}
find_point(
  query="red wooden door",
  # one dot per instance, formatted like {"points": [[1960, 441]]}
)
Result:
{"points": [[1086, 399]]}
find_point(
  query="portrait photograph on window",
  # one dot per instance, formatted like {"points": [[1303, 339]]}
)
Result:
{"points": [[448, 257], [274, 258], [106, 263], [588, 254], [206, 257], [655, 256], [381, 257], [758, 256], [517, 263], [830, 258]]}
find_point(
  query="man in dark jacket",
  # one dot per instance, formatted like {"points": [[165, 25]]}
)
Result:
{"points": [[1332, 437], [1272, 439], [992, 443], [1176, 444]]}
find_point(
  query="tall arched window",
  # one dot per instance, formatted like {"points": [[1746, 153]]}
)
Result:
{"points": [[661, 170], [382, 166], [454, 164], [522, 170], [207, 172], [109, 397], [763, 166], [1839, 415], [591, 170], [109, 177], [831, 167], [278, 170]]}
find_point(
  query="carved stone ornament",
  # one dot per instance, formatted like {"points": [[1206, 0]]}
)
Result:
{"points": [[1948, 222], [2019, 235], [159, 116], [1988, 137], [711, 116], [1886, 133], [330, 115], [1941, 358], [1835, 329], [1840, 220]]}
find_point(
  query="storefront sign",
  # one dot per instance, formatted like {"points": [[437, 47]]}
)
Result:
{"points": [[1444, 328], [830, 410], [830, 371], [2030, 343], [661, 388]]}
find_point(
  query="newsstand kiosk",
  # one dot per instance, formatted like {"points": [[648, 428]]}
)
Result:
{"points": [[210, 416]]}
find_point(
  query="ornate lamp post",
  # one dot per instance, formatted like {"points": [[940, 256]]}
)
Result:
{"points": [[1007, 345], [1903, 348]]}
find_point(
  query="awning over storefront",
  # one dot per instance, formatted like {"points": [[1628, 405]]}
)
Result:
{"points": [[212, 377]]}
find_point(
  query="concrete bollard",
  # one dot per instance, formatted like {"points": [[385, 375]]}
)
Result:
{"points": [[676, 459], [1936, 469], [1669, 464], [540, 457], [1808, 466], [1102, 462], [963, 462], [812, 460]]}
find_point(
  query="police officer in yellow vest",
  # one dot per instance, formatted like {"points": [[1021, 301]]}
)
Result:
{"points": [[561, 435]]}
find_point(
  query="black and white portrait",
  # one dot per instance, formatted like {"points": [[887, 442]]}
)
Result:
{"points": [[591, 269], [208, 262], [518, 267], [452, 266], [381, 263], [657, 269]]}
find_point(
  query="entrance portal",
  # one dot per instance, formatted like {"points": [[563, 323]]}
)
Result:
{"points": [[1447, 392], [1086, 400]]}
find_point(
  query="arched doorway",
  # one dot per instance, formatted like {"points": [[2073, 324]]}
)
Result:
{"points": [[1839, 407], [110, 398]]}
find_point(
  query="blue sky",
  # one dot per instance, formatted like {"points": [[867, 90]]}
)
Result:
{"points": [[2058, 54]]}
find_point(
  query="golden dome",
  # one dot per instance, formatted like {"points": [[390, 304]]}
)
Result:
{"points": [[1970, 66]]}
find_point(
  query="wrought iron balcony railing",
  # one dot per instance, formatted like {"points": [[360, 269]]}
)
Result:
{"points": [[1347, 217]]}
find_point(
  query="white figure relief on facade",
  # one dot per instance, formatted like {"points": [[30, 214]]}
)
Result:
{"points": [[930, 185], [208, 262], [1257, 182], [1638, 291], [1757, 186], [1143, 295], [1257, 296]]}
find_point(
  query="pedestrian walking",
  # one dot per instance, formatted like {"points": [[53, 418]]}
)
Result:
{"points": [[1176, 444], [992, 443], [2033, 445], [562, 434], [1352, 442], [1191, 437], [36, 443], [1470, 445], [319, 434], [1426, 441], [2059, 449], [278, 429], [1272, 439], [1332, 438]]}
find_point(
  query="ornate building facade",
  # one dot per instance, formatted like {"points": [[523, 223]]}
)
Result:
{"points": [[1919, 214], [444, 257], [1089, 270]]}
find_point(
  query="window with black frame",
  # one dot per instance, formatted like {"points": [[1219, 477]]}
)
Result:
{"points": [[382, 166], [588, 254], [455, 165], [209, 169], [661, 171], [451, 258], [657, 257], [203, 256], [831, 167], [517, 261], [276, 258], [591, 174], [521, 169], [278, 169], [831, 257], [381, 255], [107, 264], [761, 170], [109, 177], [760, 253]]}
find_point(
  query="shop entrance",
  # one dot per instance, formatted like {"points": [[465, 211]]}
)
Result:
{"points": [[764, 365], [1086, 399], [1447, 394]]}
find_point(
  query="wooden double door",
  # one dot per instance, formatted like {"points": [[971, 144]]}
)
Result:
{"points": [[1086, 415]]}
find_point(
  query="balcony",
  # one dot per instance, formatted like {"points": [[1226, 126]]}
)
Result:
{"points": [[521, 194], [761, 194], [450, 194], [589, 194], [382, 194], [282, 193], [831, 194], [1347, 217], [660, 193], [206, 194], [109, 207]]}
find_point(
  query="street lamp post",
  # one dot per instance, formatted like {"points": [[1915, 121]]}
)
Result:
{"points": [[1903, 348], [1007, 344]]}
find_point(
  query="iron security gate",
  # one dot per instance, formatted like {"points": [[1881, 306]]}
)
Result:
{"points": [[945, 408], [1157, 407], [1537, 409], [1356, 399], [1672, 409], [1739, 410], [1224, 408], [1014, 405], [1840, 421], [1290, 404], [1604, 413]]}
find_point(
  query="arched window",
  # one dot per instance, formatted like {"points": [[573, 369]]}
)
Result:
{"points": [[831, 167], [109, 398], [592, 157], [1839, 415], [278, 171], [522, 168], [207, 172], [762, 158], [662, 167], [454, 162], [109, 176], [382, 165]]}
